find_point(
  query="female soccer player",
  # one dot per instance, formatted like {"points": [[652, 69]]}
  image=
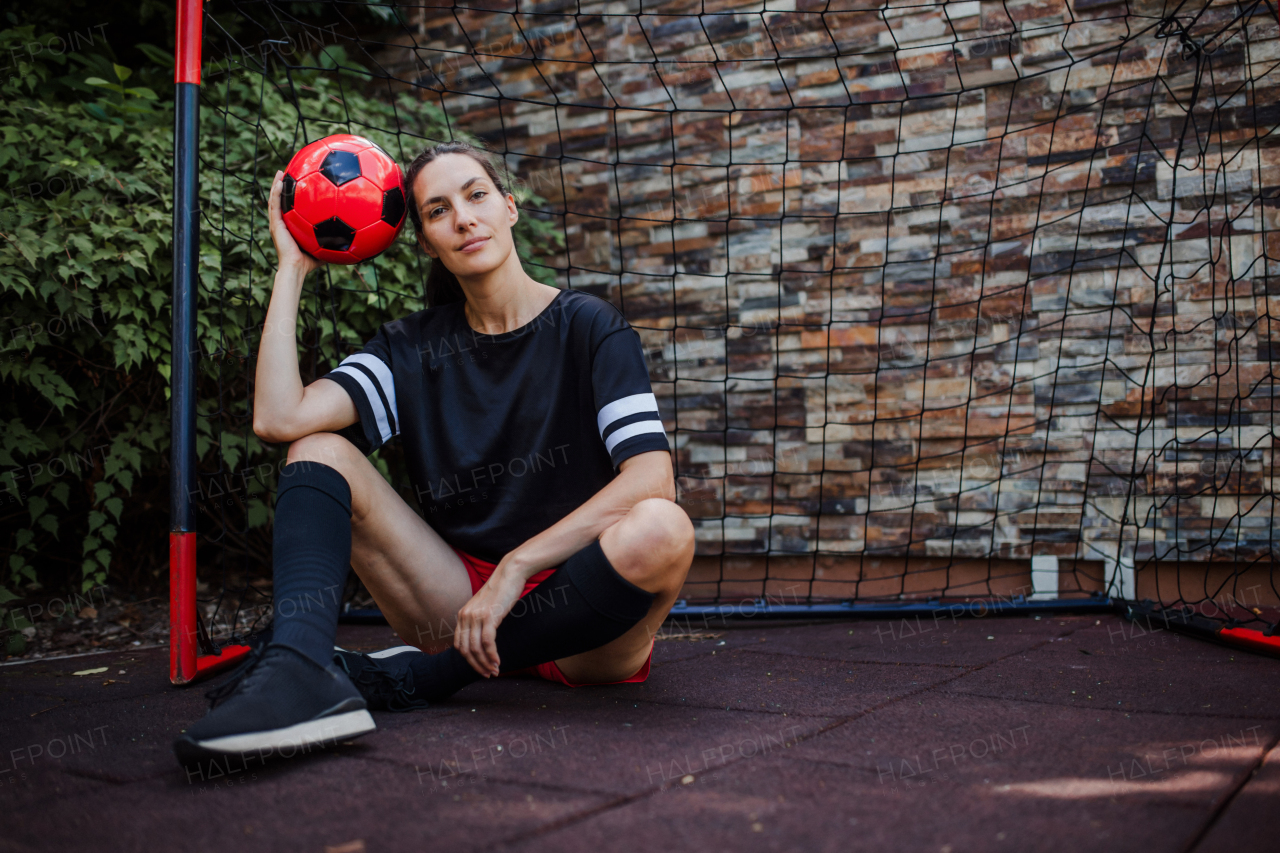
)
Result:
{"points": [[540, 466]]}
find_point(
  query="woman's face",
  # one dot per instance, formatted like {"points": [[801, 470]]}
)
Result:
{"points": [[466, 220]]}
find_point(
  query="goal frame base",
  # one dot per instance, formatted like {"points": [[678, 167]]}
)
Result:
{"points": [[849, 608], [1187, 621], [186, 664]]}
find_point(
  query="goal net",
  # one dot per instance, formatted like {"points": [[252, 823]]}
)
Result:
{"points": [[942, 302]]}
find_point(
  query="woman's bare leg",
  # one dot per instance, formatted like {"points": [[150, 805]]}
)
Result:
{"points": [[419, 583], [416, 579], [651, 546]]}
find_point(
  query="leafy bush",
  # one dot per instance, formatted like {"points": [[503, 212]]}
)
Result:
{"points": [[85, 281]]}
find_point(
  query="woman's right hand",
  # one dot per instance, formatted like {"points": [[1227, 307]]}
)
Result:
{"points": [[288, 252]]}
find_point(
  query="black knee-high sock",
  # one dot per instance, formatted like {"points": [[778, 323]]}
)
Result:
{"points": [[581, 606], [311, 554]]}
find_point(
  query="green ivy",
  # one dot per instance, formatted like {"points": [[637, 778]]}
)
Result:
{"points": [[85, 280]]}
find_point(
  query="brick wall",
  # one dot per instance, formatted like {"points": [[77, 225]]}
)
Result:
{"points": [[913, 280]]}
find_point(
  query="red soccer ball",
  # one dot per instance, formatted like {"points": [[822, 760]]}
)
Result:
{"points": [[343, 199]]}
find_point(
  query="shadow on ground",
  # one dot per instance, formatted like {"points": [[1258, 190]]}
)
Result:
{"points": [[1011, 733]]}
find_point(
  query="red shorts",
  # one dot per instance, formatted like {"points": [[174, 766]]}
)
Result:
{"points": [[479, 571]]}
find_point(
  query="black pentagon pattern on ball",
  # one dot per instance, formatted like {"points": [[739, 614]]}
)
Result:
{"points": [[335, 235], [286, 193], [340, 167], [393, 206]]}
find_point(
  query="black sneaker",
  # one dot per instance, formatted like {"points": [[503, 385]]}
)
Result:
{"points": [[279, 702], [383, 678]]}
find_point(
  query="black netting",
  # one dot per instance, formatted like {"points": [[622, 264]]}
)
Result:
{"points": [[940, 300]]}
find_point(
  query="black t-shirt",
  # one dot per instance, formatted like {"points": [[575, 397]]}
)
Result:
{"points": [[504, 435]]}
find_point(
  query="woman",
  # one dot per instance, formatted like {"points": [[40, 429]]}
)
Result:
{"points": [[539, 462]]}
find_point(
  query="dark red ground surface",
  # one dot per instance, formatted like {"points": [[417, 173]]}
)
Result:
{"points": [[1064, 733]]}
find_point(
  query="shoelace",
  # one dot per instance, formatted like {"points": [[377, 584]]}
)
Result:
{"points": [[386, 688], [238, 677]]}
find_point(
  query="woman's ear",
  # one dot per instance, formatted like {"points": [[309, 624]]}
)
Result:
{"points": [[513, 212]]}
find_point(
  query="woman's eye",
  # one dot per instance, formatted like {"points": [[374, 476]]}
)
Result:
{"points": [[478, 194], [435, 211]]}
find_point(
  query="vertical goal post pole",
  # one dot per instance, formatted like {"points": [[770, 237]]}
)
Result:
{"points": [[186, 664]]}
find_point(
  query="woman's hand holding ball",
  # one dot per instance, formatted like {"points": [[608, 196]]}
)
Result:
{"points": [[291, 257]]}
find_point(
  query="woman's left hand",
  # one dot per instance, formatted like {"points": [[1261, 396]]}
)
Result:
{"points": [[478, 620]]}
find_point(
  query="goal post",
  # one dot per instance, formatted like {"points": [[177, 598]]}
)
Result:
{"points": [[186, 663]]}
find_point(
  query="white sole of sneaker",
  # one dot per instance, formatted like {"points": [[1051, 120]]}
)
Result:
{"points": [[312, 732], [385, 653]]}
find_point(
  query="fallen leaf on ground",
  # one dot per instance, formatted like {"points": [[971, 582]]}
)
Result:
{"points": [[356, 846], [91, 671]]}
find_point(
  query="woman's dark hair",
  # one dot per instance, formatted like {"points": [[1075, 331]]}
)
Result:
{"points": [[442, 285]]}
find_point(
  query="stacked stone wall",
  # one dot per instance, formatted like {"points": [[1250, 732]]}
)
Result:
{"points": [[969, 280]]}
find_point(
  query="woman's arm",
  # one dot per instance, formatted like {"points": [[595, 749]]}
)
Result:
{"points": [[284, 410]]}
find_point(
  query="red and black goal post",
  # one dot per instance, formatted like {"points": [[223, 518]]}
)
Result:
{"points": [[191, 655]]}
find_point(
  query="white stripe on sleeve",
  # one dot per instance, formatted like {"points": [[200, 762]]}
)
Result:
{"points": [[375, 402], [383, 374], [623, 433], [626, 406]]}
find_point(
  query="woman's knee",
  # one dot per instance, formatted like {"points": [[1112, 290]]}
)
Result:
{"points": [[327, 448], [654, 539], [663, 524]]}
